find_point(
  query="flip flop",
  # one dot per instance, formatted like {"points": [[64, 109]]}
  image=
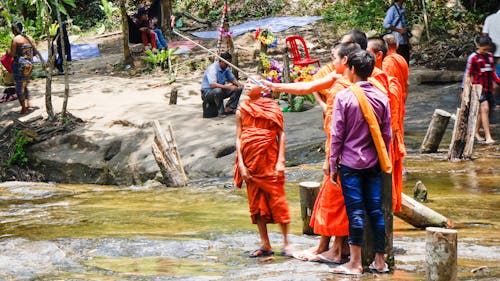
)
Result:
{"points": [[305, 256], [342, 270], [372, 267], [324, 259], [286, 252], [260, 252]]}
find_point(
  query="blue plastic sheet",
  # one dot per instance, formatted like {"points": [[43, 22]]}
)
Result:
{"points": [[276, 24], [78, 52]]}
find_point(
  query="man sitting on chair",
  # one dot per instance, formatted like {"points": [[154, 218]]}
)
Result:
{"points": [[215, 90]]}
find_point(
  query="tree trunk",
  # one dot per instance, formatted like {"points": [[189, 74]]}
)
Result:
{"points": [[441, 254], [127, 56], [65, 61], [308, 192], [286, 73], [48, 79], [462, 139], [166, 13], [168, 159], [435, 132], [420, 216], [236, 61]]}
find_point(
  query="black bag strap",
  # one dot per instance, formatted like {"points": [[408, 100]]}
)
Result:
{"points": [[399, 18]]}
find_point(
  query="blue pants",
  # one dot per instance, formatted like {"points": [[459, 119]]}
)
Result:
{"points": [[217, 95], [160, 40], [362, 190]]}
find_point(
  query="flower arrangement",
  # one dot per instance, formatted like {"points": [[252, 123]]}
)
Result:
{"points": [[273, 70], [303, 73], [266, 37]]}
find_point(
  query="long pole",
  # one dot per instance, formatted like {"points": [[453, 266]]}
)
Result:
{"points": [[216, 55]]}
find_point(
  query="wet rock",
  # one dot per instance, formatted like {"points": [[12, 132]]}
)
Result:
{"points": [[420, 192], [439, 76], [112, 149], [15, 191]]}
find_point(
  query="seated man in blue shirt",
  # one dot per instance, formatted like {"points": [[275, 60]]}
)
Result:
{"points": [[214, 88]]}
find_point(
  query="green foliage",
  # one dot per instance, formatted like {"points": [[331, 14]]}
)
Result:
{"points": [[110, 11], [19, 155], [348, 14], [162, 59]]}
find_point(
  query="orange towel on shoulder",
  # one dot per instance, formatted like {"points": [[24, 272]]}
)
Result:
{"points": [[329, 217], [261, 122]]}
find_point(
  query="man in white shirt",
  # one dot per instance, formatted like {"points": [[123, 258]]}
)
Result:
{"points": [[491, 28]]}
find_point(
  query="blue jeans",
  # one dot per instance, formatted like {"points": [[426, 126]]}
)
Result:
{"points": [[362, 190], [217, 95], [160, 40]]}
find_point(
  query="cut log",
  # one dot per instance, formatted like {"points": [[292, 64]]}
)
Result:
{"points": [[308, 192], [167, 157], [421, 216], [435, 132], [462, 139], [441, 254]]}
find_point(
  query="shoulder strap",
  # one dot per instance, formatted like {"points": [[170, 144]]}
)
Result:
{"points": [[366, 108]]}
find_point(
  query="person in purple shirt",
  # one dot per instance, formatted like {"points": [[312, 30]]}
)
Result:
{"points": [[354, 157]]}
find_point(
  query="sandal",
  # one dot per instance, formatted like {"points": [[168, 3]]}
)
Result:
{"points": [[260, 252], [373, 268], [286, 252]]}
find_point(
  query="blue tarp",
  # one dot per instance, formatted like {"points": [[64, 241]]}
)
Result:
{"points": [[275, 24], [78, 52]]}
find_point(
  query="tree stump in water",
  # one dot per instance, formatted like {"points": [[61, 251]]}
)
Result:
{"points": [[462, 139], [441, 254], [420, 216], [173, 97], [435, 132], [308, 192], [420, 192]]}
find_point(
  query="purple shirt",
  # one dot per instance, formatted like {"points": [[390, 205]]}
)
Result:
{"points": [[351, 138]]}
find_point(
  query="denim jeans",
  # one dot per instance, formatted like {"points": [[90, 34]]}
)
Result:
{"points": [[160, 40], [217, 95], [362, 190]]}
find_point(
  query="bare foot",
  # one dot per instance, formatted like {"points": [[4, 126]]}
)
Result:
{"points": [[330, 257], [479, 138], [489, 141], [347, 269], [305, 256]]}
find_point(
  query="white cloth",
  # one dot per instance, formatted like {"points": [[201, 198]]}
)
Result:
{"points": [[492, 27]]}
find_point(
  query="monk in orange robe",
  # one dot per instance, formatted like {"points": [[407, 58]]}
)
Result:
{"points": [[395, 65], [260, 162], [321, 96], [394, 91]]}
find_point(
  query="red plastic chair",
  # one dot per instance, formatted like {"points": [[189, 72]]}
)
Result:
{"points": [[293, 48]]}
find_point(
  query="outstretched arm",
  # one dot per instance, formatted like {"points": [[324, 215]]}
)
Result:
{"points": [[304, 88]]}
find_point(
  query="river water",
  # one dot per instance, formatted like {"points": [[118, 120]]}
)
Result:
{"points": [[149, 232]]}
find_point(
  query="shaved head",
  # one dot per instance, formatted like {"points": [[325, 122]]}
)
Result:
{"points": [[377, 45], [391, 41], [355, 36]]}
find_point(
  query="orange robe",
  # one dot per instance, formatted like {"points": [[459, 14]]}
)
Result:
{"points": [[329, 217], [322, 72], [392, 88], [396, 65], [261, 122]]}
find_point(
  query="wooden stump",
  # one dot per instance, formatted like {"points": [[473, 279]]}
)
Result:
{"points": [[420, 216], [173, 97], [435, 132], [236, 62], [462, 139], [167, 157], [286, 73], [308, 192], [420, 192], [441, 254]]}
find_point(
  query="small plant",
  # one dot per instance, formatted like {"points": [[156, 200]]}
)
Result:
{"points": [[109, 11], [19, 155], [165, 59]]}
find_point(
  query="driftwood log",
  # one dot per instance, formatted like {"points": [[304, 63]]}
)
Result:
{"points": [[435, 132], [441, 254], [462, 139], [173, 97], [420, 216], [167, 157], [308, 192]]}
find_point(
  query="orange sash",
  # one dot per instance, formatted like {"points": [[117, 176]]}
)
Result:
{"points": [[366, 108]]}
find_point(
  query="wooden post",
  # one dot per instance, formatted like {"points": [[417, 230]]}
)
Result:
{"points": [[462, 139], [420, 216], [308, 191], [173, 96], [367, 247], [435, 132], [440, 254], [237, 63], [168, 158], [286, 72]]}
